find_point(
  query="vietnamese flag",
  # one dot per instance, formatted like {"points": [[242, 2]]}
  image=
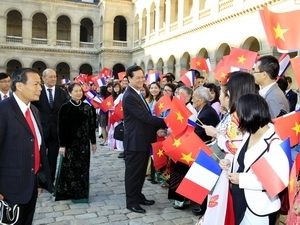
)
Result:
{"points": [[162, 104], [121, 75], [105, 72], [107, 103], [200, 64], [81, 78], [222, 71], [182, 150], [282, 29], [118, 112], [177, 120], [288, 125], [242, 58], [295, 62], [159, 158]]}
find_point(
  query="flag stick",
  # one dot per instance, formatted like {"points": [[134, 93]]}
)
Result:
{"points": [[200, 122]]}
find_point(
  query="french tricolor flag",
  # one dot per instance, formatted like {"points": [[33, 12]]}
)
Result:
{"points": [[65, 81], [284, 62], [188, 78], [88, 101], [152, 77], [100, 82], [90, 94], [201, 178], [267, 166]]}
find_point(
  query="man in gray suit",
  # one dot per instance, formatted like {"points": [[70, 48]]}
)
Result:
{"points": [[265, 74]]}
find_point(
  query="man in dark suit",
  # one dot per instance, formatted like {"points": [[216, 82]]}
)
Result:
{"points": [[206, 115], [22, 149], [140, 129], [4, 86], [290, 94], [52, 97]]}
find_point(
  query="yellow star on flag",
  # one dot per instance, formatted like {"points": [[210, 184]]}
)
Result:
{"points": [[241, 59], [177, 142], [223, 75], [108, 103], [279, 32], [188, 158], [296, 128], [161, 105], [198, 63], [292, 184], [179, 116], [121, 108], [160, 152]]}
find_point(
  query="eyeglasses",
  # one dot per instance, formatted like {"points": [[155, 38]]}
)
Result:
{"points": [[253, 72], [4, 81]]}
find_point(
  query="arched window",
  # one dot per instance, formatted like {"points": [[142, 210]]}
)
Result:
{"points": [[120, 29]]}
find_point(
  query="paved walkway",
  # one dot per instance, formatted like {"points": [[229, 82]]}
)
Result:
{"points": [[107, 200]]}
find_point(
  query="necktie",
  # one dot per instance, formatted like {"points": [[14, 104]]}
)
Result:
{"points": [[36, 144], [146, 104], [5, 96], [50, 97]]}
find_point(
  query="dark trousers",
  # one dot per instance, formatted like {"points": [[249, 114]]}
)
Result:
{"points": [[52, 150], [135, 171], [27, 210]]}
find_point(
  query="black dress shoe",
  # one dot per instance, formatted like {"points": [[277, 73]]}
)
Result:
{"points": [[198, 212], [147, 202], [121, 155], [137, 209]]}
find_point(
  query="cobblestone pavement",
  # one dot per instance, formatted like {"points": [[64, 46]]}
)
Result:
{"points": [[107, 200]]}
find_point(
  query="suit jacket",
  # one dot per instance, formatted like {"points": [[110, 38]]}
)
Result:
{"points": [[276, 101], [207, 116], [139, 125], [49, 115], [17, 178], [292, 97], [257, 199]]}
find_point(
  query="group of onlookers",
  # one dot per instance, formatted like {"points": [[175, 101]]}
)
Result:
{"points": [[43, 124]]}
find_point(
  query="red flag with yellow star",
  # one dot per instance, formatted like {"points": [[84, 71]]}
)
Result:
{"points": [[121, 75], [162, 104], [107, 103], [199, 64], [242, 58], [221, 72], [117, 114], [181, 149], [288, 126], [159, 158], [282, 29], [177, 120]]}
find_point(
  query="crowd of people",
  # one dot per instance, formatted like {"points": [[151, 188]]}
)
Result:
{"points": [[233, 118]]}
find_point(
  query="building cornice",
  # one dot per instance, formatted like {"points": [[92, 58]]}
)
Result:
{"points": [[67, 3], [60, 50], [202, 27]]}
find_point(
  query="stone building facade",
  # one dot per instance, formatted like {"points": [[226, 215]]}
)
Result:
{"points": [[84, 36]]}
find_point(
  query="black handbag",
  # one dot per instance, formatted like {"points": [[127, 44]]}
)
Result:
{"points": [[119, 132], [9, 213]]}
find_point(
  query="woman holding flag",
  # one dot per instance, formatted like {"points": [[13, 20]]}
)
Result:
{"points": [[259, 158]]}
